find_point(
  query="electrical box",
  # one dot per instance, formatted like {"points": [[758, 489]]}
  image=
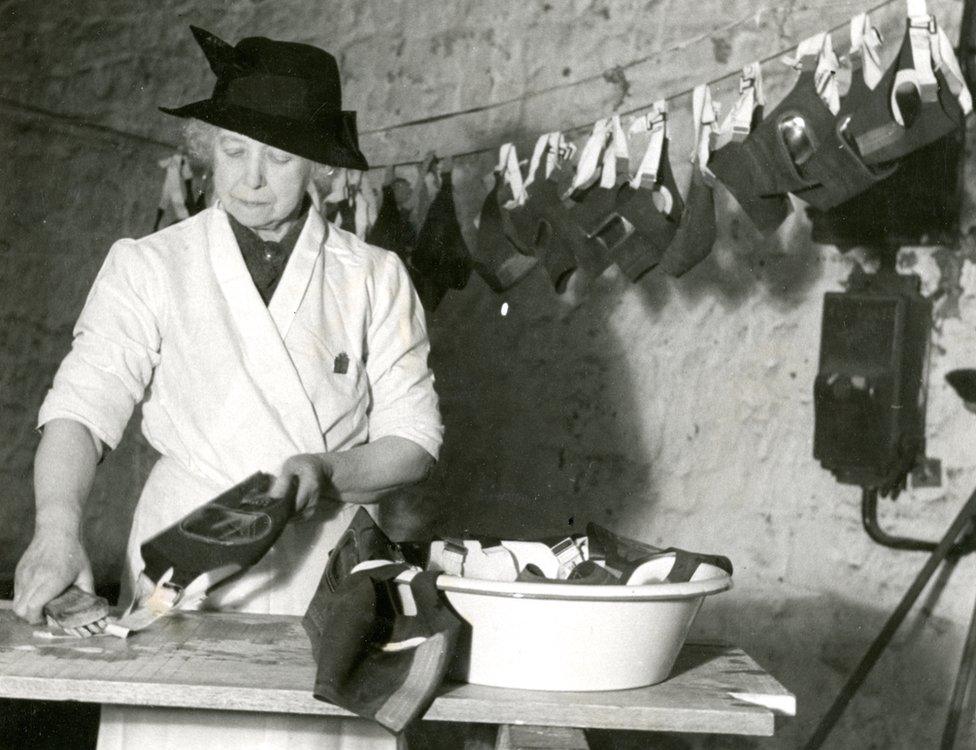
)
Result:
{"points": [[869, 393]]}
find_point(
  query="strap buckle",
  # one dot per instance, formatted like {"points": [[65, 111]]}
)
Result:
{"points": [[928, 23]]}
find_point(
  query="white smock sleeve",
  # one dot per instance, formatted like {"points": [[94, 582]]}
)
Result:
{"points": [[115, 348], [404, 402]]}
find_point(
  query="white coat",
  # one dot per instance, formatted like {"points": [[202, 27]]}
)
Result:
{"points": [[232, 387]]}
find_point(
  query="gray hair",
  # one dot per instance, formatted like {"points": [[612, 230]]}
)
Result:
{"points": [[199, 138]]}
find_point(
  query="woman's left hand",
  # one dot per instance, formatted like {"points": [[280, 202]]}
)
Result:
{"points": [[312, 473], [360, 475]]}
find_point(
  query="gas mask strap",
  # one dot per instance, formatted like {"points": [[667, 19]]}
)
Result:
{"points": [[825, 75], [537, 153], [705, 118], [945, 60], [508, 166], [738, 122], [586, 172], [616, 155], [656, 122], [866, 43], [559, 149], [922, 33]]}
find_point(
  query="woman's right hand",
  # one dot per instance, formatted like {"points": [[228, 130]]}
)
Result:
{"points": [[54, 560]]}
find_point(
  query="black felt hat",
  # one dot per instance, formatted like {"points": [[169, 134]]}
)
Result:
{"points": [[285, 94]]}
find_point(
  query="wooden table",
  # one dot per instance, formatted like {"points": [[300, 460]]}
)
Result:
{"points": [[264, 663]]}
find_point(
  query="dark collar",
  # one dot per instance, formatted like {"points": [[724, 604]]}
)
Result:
{"points": [[252, 245], [266, 260]]}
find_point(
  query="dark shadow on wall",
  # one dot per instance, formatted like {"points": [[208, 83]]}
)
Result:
{"points": [[783, 265], [542, 432], [541, 429]]}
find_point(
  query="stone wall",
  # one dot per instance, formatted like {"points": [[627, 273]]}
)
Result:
{"points": [[675, 411]]}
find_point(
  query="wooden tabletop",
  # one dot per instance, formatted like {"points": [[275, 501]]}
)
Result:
{"points": [[264, 663]]}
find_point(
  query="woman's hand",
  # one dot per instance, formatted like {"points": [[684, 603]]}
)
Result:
{"points": [[359, 475], [313, 475], [54, 560], [64, 470]]}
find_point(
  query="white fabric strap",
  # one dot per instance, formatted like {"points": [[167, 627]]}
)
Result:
{"points": [[359, 208], [373, 200], [645, 123], [706, 128], [866, 43], [858, 24], [825, 76], [871, 56], [616, 151], [185, 172], [540, 148], [922, 32], [508, 166], [365, 204], [559, 150], [917, 9], [424, 185], [589, 158], [491, 564], [177, 171], [608, 170], [816, 53], [339, 192], [704, 117], [620, 148], [313, 193], [553, 146], [945, 60], [808, 52], [752, 77], [452, 559], [656, 121], [432, 174], [738, 122], [699, 96], [568, 555], [372, 565]]}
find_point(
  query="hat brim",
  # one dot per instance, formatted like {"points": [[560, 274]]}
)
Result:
{"points": [[330, 139]]}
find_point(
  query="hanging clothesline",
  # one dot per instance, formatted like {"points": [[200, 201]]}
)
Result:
{"points": [[78, 122]]}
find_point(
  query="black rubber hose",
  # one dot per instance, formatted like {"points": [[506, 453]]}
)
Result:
{"points": [[869, 519]]}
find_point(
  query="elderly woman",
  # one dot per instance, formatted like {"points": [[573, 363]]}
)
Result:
{"points": [[262, 338]]}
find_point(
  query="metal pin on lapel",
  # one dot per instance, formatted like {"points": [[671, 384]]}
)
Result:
{"points": [[341, 365]]}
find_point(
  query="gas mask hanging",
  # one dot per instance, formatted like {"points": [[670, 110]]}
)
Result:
{"points": [[500, 258]]}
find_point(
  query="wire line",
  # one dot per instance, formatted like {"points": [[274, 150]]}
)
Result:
{"points": [[603, 75], [109, 130]]}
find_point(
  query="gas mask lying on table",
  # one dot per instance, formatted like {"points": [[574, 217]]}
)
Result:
{"points": [[224, 537]]}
